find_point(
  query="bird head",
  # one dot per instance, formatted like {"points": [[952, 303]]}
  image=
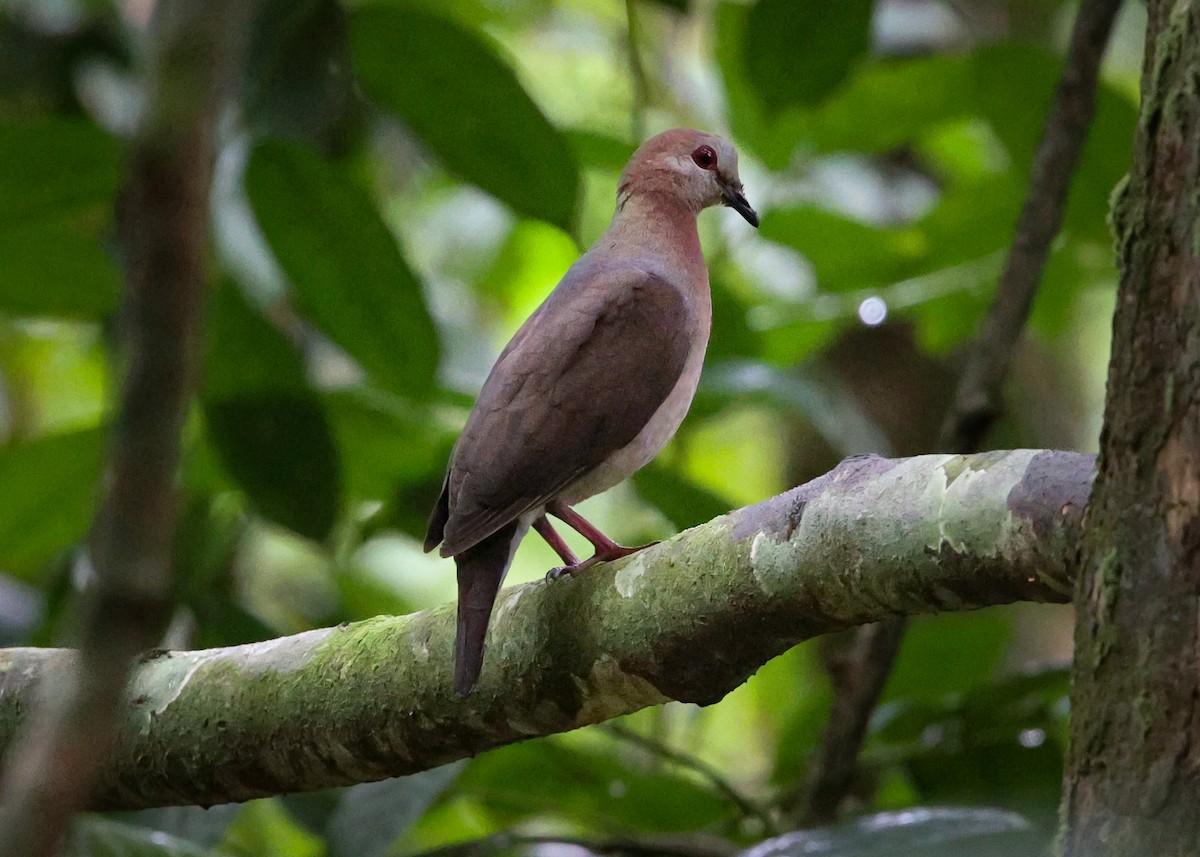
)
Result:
{"points": [[698, 168]]}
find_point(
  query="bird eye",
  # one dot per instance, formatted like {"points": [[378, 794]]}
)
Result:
{"points": [[705, 158]]}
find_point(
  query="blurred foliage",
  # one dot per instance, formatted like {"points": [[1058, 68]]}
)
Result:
{"points": [[402, 184]]}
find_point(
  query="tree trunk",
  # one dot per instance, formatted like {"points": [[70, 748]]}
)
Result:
{"points": [[1133, 771]]}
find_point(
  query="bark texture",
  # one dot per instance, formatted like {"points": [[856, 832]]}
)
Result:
{"points": [[689, 619], [1133, 771]]}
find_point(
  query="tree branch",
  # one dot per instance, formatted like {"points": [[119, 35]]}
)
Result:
{"points": [[977, 397], [858, 668], [689, 619], [163, 225]]}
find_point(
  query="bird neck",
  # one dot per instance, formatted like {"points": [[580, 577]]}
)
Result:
{"points": [[659, 225]]}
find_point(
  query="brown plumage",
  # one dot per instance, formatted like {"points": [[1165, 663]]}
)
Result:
{"points": [[594, 383]]}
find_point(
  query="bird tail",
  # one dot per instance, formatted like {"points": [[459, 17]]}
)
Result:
{"points": [[481, 570]]}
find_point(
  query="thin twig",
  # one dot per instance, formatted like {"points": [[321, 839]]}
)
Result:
{"points": [[641, 83], [163, 223], [977, 397], [748, 808], [871, 651], [858, 664]]}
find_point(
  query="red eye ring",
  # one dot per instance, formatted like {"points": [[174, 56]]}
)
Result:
{"points": [[705, 158]]}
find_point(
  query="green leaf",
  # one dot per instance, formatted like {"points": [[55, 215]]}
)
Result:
{"points": [[601, 151], [199, 826], [371, 816], [819, 398], [52, 267], [772, 138], [967, 647], [589, 786], [95, 836], [298, 82], [246, 353], [913, 832], [264, 829], [266, 426], [888, 103], [52, 482], [385, 443], [54, 167], [732, 335], [349, 276], [1014, 86], [971, 221], [279, 449], [224, 622], [845, 254], [1001, 742], [448, 85], [361, 596], [391, 451], [208, 533], [364, 820], [797, 52], [528, 265], [1107, 154], [683, 502]]}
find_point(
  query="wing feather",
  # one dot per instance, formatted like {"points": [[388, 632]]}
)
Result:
{"points": [[578, 382]]}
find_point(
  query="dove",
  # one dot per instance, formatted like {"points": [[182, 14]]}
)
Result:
{"points": [[592, 386]]}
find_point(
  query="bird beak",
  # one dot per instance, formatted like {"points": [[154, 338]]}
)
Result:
{"points": [[735, 199]]}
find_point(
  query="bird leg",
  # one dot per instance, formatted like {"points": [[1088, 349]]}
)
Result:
{"points": [[546, 531], [606, 549]]}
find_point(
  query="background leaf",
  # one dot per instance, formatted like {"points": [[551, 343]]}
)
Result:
{"points": [[348, 273], [298, 82], [590, 784], [55, 478], [279, 449], [55, 166], [199, 826], [365, 820], [917, 832], [53, 267], [495, 136], [246, 353], [798, 51], [102, 837], [684, 503]]}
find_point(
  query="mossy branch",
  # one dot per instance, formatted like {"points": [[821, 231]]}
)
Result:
{"points": [[690, 620]]}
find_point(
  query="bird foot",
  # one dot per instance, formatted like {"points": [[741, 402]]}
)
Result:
{"points": [[615, 551], [604, 554], [562, 571]]}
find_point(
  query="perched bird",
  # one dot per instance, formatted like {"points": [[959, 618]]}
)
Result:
{"points": [[594, 383]]}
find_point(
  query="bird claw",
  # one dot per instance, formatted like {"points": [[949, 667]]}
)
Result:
{"points": [[560, 572]]}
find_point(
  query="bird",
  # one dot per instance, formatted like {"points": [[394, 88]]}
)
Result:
{"points": [[592, 385]]}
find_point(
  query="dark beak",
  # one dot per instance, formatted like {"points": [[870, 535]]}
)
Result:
{"points": [[735, 199]]}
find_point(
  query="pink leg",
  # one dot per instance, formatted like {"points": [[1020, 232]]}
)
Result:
{"points": [[606, 549], [547, 532]]}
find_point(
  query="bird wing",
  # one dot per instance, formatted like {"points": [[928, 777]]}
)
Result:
{"points": [[578, 382]]}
